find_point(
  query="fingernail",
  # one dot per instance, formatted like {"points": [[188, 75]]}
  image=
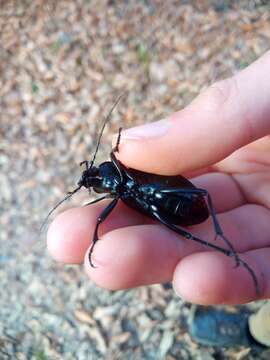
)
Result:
{"points": [[151, 130]]}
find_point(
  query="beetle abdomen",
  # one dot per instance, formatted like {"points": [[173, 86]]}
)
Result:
{"points": [[183, 210]]}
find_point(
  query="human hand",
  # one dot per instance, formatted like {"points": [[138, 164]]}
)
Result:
{"points": [[219, 141]]}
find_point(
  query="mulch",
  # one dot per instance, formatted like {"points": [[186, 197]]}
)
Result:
{"points": [[62, 63]]}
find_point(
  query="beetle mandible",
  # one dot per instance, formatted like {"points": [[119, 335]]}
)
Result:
{"points": [[171, 200]]}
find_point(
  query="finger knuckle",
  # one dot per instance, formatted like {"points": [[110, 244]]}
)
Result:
{"points": [[220, 94]]}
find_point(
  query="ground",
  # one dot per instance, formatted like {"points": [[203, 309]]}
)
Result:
{"points": [[61, 65]]}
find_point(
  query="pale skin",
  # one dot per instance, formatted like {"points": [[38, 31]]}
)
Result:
{"points": [[221, 141]]}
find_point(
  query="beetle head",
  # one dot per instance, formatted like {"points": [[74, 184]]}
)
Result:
{"points": [[89, 177]]}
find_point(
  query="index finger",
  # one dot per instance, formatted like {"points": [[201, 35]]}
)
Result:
{"points": [[227, 116]]}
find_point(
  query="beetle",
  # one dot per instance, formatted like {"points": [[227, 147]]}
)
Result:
{"points": [[173, 201]]}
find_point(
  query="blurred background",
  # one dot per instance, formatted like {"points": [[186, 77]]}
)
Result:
{"points": [[62, 65]]}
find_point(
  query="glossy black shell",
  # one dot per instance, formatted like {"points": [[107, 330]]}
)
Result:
{"points": [[142, 191], [184, 209]]}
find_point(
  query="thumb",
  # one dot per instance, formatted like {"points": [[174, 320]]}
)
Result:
{"points": [[225, 117]]}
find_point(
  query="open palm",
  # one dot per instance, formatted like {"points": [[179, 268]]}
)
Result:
{"points": [[229, 121]]}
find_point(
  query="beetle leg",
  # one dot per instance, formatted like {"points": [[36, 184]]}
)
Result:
{"points": [[216, 224], [105, 213], [226, 252], [114, 160], [218, 229], [86, 164], [116, 148], [188, 235]]}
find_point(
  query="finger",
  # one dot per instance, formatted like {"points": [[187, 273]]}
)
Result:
{"points": [[198, 172], [135, 256], [208, 278], [224, 190], [245, 227], [71, 232], [228, 115], [148, 254], [253, 158]]}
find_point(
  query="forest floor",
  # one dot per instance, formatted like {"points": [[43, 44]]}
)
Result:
{"points": [[62, 64]]}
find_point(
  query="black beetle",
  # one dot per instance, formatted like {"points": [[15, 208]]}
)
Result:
{"points": [[171, 200]]}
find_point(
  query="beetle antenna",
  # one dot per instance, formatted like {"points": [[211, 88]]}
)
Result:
{"points": [[103, 126], [68, 196]]}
